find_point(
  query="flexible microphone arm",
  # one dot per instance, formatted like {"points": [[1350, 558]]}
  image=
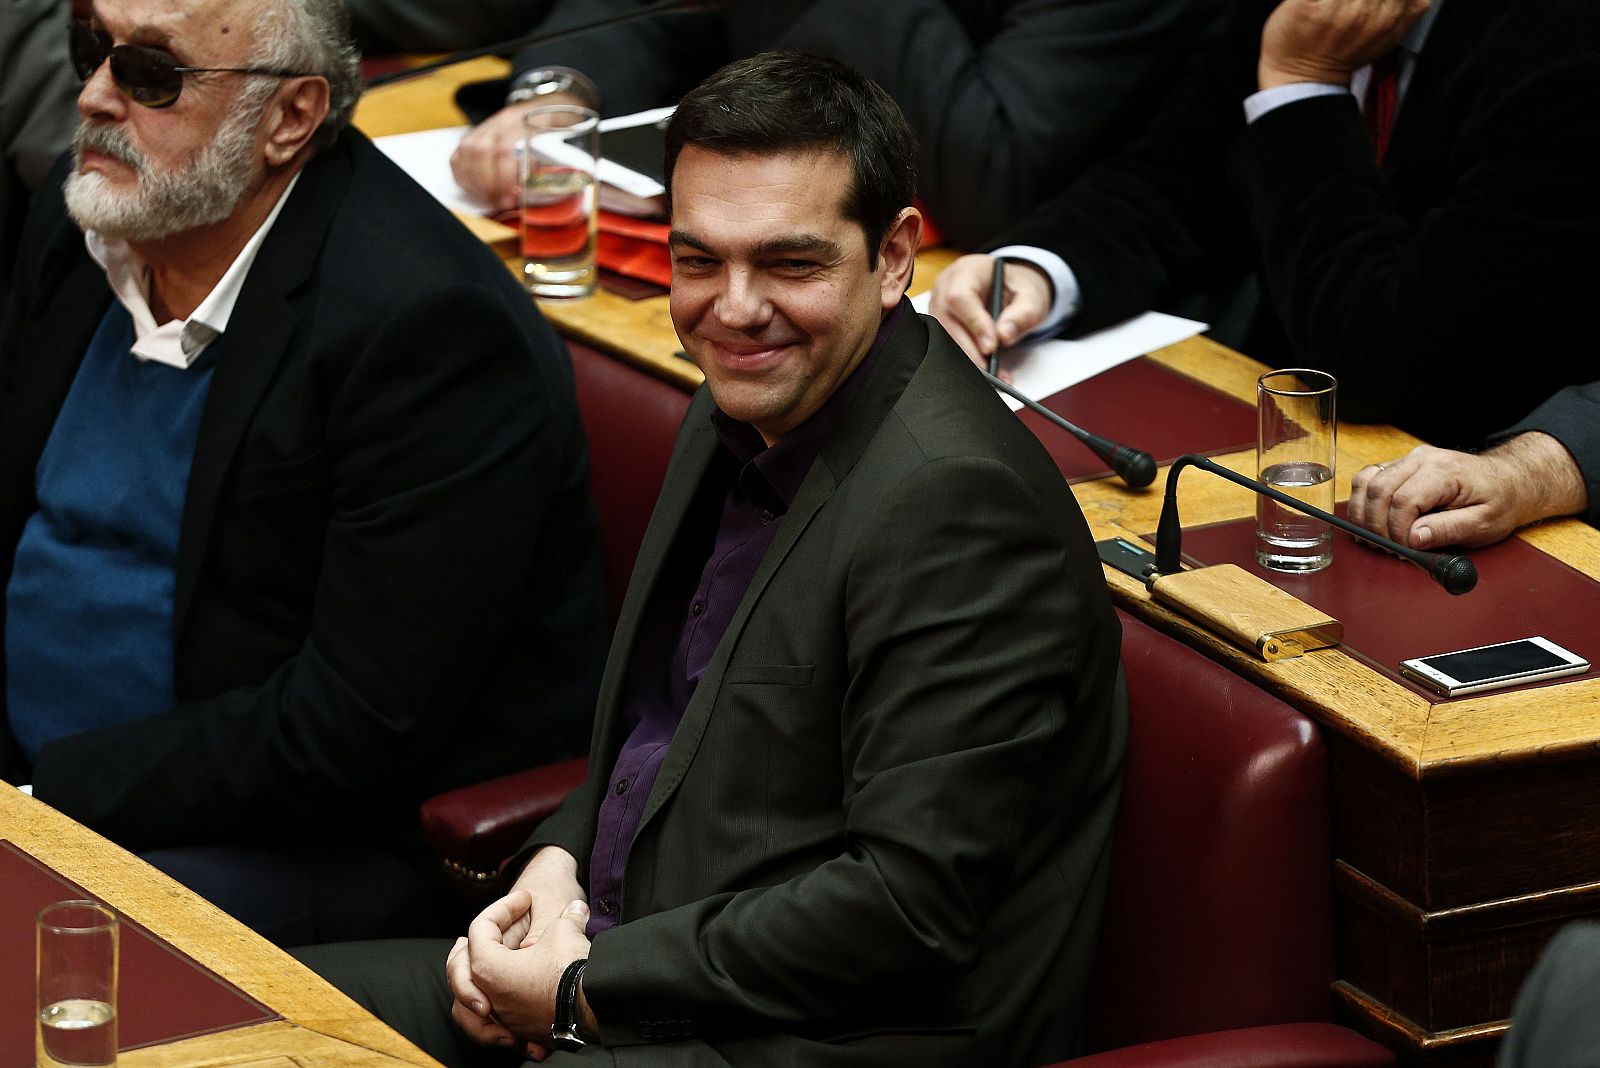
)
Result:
{"points": [[1456, 574], [1134, 466], [666, 7]]}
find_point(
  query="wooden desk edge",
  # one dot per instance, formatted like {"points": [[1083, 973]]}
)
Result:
{"points": [[199, 929]]}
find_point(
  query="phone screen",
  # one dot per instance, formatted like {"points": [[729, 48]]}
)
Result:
{"points": [[1477, 665]]}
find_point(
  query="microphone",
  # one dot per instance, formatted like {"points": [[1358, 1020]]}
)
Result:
{"points": [[665, 7], [1456, 574], [1134, 466]]}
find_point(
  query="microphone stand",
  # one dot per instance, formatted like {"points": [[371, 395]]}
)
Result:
{"points": [[667, 7], [1134, 466], [1456, 574]]}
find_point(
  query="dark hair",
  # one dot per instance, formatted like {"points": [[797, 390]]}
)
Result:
{"points": [[782, 101]]}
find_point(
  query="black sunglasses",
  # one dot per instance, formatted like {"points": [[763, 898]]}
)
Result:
{"points": [[148, 75]]}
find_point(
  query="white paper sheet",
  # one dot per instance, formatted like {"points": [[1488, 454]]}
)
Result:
{"points": [[1042, 368], [426, 157]]}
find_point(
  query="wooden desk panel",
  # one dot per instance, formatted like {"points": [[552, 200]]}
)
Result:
{"points": [[319, 1026]]}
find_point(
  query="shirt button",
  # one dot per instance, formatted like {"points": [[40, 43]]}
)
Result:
{"points": [[697, 607], [607, 906], [622, 786]]}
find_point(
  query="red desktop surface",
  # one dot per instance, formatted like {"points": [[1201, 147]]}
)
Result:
{"points": [[1147, 406], [163, 995], [1392, 610]]}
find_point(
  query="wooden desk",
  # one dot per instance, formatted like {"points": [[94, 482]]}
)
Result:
{"points": [[320, 1026], [1465, 832]]}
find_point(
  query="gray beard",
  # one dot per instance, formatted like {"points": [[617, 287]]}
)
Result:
{"points": [[205, 191]]}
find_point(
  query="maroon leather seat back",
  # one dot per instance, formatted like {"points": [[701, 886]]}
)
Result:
{"points": [[1218, 914], [631, 419]]}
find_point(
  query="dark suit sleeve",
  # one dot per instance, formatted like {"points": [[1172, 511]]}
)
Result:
{"points": [[1464, 307], [636, 66], [438, 25], [1156, 220], [1554, 1024], [444, 455], [1001, 121], [956, 693], [1572, 417]]}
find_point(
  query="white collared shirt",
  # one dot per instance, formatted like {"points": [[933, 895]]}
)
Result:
{"points": [[180, 342]]}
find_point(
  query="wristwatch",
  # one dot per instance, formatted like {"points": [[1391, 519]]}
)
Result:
{"points": [[532, 86], [564, 1032]]}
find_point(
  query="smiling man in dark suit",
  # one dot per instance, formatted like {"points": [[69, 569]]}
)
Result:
{"points": [[294, 525], [860, 739], [1412, 184]]}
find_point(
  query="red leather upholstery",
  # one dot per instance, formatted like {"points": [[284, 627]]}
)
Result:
{"points": [[1218, 920], [475, 828], [1305, 1045], [631, 419]]}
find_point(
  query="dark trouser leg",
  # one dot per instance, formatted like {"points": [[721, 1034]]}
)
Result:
{"points": [[296, 897], [401, 981]]}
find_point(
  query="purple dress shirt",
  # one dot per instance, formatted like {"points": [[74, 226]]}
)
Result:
{"points": [[683, 623]]}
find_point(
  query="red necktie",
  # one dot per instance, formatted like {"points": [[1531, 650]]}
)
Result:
{"points": [[1383, 90]]}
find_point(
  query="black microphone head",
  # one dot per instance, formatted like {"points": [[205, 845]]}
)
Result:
{"points": [[1137, 468], [1456, 574]]}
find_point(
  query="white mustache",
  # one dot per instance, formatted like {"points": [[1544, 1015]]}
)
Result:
{"points": [[107, 140]]}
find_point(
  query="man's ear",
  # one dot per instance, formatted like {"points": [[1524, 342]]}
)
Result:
{"points": [[293, 118], [897, 256]]}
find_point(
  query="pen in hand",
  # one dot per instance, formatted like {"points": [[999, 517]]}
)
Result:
{"points": [[997, 300]]}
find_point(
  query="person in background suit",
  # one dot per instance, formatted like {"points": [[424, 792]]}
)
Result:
{"points": [[1553, 1024], [1547, 465], [293, 492], [37, 87], [859, 743], [388, 26], [1005, 96], [1413, 185]]}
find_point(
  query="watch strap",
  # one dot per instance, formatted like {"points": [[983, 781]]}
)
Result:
{"points": [[564, 1032]]}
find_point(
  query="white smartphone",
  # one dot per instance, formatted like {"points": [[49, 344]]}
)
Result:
{"points": [[1490, 667]]}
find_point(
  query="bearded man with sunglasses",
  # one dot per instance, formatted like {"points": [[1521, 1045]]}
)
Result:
{"points": [[294, 523]]}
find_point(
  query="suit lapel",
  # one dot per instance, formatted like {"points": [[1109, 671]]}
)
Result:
{"points": [[896, 363], [49, 351], [258, 336]]}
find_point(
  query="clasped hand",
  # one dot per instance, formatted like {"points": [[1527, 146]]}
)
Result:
{"points": [[504, 973]]}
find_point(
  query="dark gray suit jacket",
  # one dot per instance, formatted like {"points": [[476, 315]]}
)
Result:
{"points": [[1007, 97], [880, 835], [1555, 1024], [1572, 417]]}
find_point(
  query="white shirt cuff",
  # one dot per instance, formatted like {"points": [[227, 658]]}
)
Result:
{"points": [[1064, 283], [1258, 104], [28, 789]]}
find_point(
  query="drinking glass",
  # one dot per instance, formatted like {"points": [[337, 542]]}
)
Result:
{"points": [[76, 1022], [560, 151], [1295, 453]]}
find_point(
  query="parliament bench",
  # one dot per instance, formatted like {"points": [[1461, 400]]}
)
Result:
{"points": [[1216, 942]]}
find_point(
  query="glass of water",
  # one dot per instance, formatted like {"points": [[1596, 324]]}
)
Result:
{"points": [[1295, 453], [560, 153], [77, 985]]}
